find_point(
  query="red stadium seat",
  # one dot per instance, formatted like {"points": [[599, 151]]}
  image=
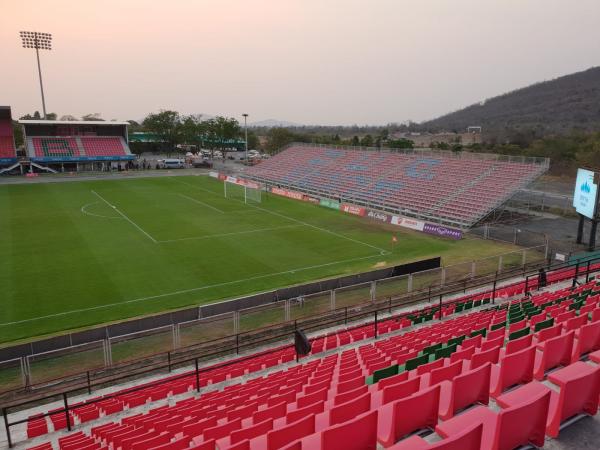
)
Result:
{"points": [[314, 408], [345, 411], [445, 373], [518, 344], [467, 389], [290, 433], [579, 392], [480, 358], [555, 352], [396, 392], [587, 341], [357, 434], [408, 415], [516, 368], [509, 428], [470, 439]]}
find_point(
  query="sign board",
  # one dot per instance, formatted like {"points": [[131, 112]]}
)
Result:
{"points": [[440, 230], [355, 210], [289, 194], [329, 203], [405, 222], [586, 192], [378, 215]]}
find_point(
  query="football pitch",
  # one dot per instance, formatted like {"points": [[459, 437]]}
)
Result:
{"points": [[76, 254]]}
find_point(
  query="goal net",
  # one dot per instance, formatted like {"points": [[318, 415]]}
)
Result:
{"points": [[251, 193]]}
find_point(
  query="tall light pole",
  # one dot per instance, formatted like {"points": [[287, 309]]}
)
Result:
{"points": [[39, 41], [246, 134]]}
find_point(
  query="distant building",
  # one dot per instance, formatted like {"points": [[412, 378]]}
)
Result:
{"points": [[426, 139]]}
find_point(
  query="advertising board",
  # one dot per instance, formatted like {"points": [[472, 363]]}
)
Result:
{"points": [[352, 209], [329, 203], [585, 195], [406, 222]]}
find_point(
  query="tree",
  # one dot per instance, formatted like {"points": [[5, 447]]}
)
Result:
{"points": [[166, 125], [278, 138], [68, 117], [225, 129], [92, 117], [253, 141], [367, 141], [355, 141], [191, 129], [401, 143], [37, 116]]}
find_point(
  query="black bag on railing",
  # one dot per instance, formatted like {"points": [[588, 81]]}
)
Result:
{"points": [[301, 343]]}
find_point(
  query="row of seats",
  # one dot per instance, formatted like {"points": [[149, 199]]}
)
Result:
{"points": [[7, 142], [126, 398], [455, 188], [334, 402], [77, 146]]}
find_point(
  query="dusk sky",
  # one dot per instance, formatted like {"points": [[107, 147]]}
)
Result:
{"points": [[306, 61]]}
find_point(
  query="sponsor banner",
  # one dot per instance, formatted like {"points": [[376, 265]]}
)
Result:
{"points": [[289, 194], [406, 222], [309, 199], [440, 230], [213, 174], [329, 203], [378, 215], [351, 209], [231, 179], [222, 177]]}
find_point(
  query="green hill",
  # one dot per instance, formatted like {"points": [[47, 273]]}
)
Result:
{"points": [[551, 107]]}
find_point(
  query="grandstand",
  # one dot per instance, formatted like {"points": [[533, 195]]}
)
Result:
{"points": [[76, 145], [8, 155], [457, 189], [485, 377]]}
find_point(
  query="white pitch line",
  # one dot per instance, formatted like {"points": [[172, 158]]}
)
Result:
{"points": [[186, 291], [85, 211], [324, 230], [381, 250], [235, 233], [197, 187], [125, 217], [202, 203]]}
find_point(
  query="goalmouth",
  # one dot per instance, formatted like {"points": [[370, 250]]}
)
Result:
{"points": [[245, 191]]}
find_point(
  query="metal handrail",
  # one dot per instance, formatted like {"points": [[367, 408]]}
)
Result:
{"points": [[588, 269]]}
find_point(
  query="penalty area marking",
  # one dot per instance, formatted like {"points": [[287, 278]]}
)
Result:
{"points": [[356, 241], [86, 212], [202, 203], [125, 217], [186, 291], [235, 233]]}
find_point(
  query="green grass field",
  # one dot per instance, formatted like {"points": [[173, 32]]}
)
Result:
{"points": [[76, 254]]}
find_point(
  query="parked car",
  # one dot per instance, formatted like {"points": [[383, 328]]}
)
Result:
{"points": [[199, 163], [173, 164]]}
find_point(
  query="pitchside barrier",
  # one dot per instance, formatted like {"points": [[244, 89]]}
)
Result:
{"points": [[150, 339], [370, 314]]}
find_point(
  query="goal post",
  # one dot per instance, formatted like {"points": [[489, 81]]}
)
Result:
{"points": [[247, 192]]}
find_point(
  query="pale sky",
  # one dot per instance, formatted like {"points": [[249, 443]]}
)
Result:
{"points": [[306, 61]]}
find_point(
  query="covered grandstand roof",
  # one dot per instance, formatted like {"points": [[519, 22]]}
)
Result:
{"points": [[5, 112], [71, 122]]}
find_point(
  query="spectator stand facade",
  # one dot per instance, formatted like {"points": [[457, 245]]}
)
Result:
{"points": [[8, 153], [457, 189], [56, 145]]}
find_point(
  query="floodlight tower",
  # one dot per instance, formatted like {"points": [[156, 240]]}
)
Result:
{"points": [[246, 135], [39, 41]]}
